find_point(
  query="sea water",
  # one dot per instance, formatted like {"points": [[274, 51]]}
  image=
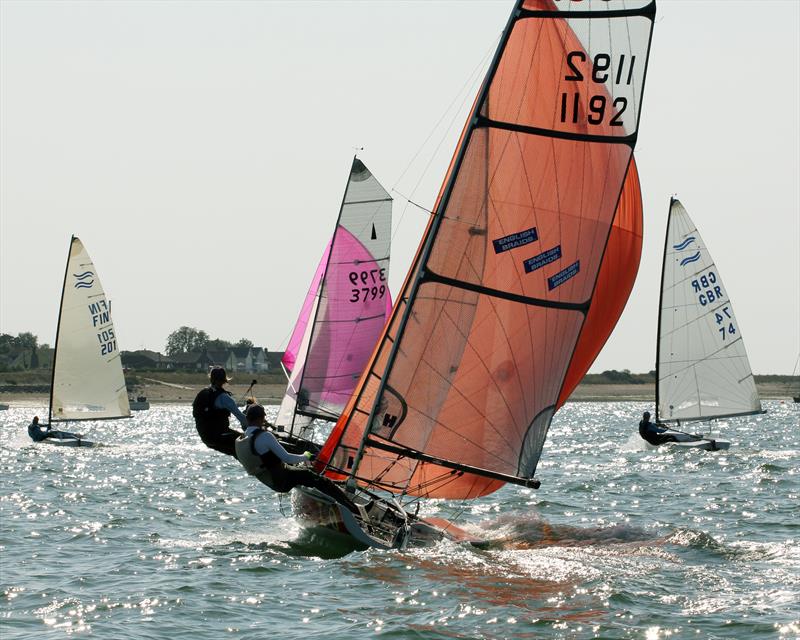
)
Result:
{"points": [[154, 536]]}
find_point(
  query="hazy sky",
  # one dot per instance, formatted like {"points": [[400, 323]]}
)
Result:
{"points": [[200, 151]]}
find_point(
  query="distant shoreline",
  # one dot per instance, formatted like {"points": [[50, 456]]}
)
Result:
{"points": [[272, 393]]}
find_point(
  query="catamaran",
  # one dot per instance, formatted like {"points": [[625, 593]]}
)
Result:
{"points": [[87, 380], [343, 313], [702, 370], [520, 277]]}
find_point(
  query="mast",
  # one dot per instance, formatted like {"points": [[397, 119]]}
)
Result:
{"points": [[660, 305], [58, 330]]}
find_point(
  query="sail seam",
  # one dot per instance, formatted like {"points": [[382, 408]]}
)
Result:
{"points": [[710, 356], [647, 11], [349, 202], [422, 457], [429, 275], [484, 122], [350, 320]]}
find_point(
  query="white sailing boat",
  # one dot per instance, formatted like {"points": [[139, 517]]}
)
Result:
{"points": [[87, 380], [702, 370]]}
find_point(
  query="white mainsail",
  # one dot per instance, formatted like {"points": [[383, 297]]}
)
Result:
{"points": [[701, 364], [88, 383]]}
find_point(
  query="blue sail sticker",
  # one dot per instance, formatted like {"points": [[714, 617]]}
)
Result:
{"points": [[690, 259], [562, 276], [515, 240], [537, 262], [684, 244]]}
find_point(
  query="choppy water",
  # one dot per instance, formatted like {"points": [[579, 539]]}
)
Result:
{"points": [[155, 536]]}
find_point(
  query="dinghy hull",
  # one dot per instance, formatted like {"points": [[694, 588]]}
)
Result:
{"points": [[379, 524]]}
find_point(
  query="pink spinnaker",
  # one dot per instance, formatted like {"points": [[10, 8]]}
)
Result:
{"points": [[346, 307]]}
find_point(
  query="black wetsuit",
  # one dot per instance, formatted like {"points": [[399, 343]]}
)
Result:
{"points": [[213, 423], [651, 433]]}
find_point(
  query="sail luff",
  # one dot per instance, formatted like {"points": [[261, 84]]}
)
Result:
{"points": [[58, 331], [661, 305]]}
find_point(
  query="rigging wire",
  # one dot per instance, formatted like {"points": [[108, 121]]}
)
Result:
{"points": [[460, 98]]}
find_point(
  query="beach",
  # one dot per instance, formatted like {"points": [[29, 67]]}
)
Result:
{"points": [[166, 392]]}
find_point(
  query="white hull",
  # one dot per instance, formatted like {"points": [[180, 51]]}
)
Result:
{"points": [[67, 442], [687, 441], [704, 445]]}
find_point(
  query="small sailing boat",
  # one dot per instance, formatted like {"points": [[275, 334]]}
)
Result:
{"points": [[702, 370], [519, 279], [87, 380], [343, 313]]}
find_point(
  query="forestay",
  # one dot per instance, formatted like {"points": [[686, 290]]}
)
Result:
{"points": [[482, 341], [346, 308], [88, 383], [702, 366]]}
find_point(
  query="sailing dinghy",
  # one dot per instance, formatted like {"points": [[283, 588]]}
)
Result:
{"points": [[343, 313], [702, 370], [520, 277], [87, 381]]}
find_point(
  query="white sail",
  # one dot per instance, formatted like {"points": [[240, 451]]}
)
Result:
{"points": [[88, 383], [702, 367]]}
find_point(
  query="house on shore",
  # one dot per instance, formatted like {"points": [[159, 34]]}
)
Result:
{"points": [[234, 359]]}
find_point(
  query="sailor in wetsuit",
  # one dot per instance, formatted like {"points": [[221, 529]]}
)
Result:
{"points": [[265, 458], [653, 433], [37, 432], [212, 408]]}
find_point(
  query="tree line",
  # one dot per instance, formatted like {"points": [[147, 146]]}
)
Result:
{"points": [[189, 339]]}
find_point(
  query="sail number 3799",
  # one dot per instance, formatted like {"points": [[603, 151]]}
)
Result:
{"points": [[372, 282], [599, 110]]}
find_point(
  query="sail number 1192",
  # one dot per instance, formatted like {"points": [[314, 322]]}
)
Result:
{"points": [[599, 109]]}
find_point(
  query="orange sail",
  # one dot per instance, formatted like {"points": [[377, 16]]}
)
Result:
{"points": [[499, 315], [614, 282]]}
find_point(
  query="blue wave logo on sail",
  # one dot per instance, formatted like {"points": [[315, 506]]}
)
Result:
{"points": [[684, 244], [693, 258], [85, 280]]}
